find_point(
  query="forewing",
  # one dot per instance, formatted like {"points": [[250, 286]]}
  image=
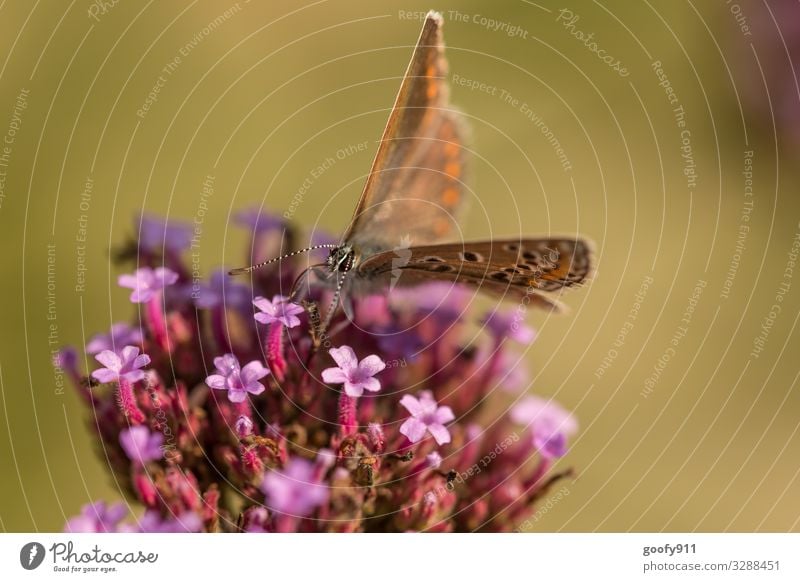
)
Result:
{"points": [[516, 268], [415, 188]]}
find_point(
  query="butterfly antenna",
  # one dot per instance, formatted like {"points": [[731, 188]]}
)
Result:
{"points": [[243, 270]]}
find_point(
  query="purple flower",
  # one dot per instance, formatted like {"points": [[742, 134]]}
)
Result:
{"points": [[258, 221], [146, 282], [121, 334], [356, 376], [66, 359], [221, 290], [294, 490], [280, 310], [508, 324], [98, 518], [141, 445], [125, 365], [550, 424], [152, 522], [236, 380], [426, 415], [157, 234]]}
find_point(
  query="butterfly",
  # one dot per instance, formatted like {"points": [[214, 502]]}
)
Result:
{"points": [[411, 202]]}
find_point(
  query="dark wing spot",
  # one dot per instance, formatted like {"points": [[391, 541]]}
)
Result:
{"points": [[511, 247], [431, 260], [442, 268], [471, 257]]}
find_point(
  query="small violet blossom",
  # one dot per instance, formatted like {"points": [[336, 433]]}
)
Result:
{"points": [[426, 415], [98, 518], [220, 290], [550, 424], [157, 234], [123, 366], [121, 334], [147, 282], [356, 376], [141, 445], [294, 490], [279, 310], [237, 380], [509, 324]]}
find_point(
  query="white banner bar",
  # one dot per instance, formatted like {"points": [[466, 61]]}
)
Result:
{"points": [[401, 557]]}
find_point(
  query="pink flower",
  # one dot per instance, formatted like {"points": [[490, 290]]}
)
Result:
{"points": [[294, 490], [426, 415], [146, 282], [550, 424], [356, 376], [279, 310], [141, 445], [124, 365], [509, 324], [121, 334], [97, 517], [236, 380]]}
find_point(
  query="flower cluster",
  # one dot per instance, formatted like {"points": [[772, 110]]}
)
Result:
{"points": [[223, 408]]}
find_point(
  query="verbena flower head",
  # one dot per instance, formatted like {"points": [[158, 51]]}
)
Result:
{"points": [[121, 335], [426, 416], [294, 490], [147, 282], [157, 235], [98, 517], [213, 423], [236, 380], [125, 365], [141, 445], [549, 423], [356, 376], [279, 310]]}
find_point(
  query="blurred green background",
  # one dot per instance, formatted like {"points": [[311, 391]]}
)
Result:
{"points": [[266, 93]]}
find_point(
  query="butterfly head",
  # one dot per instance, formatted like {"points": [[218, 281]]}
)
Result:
{"points": [[341, 259]]}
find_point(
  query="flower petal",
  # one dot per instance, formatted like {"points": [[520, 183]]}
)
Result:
{"points": [[104, 375], [371, 365], [353, 390], [444, 414], [413, 429], [129, 354], [412, 405], [133, 375], [237, 395], [440, 433], [344, 357], [128, 281], [371, 384], [109, 359], [334, 376], [216, 381], [253, 371], [141, 361], [255, 388], [264, 318]]}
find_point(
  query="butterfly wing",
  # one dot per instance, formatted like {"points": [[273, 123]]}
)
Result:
{"points": [[510, 268], [414, 191]]}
